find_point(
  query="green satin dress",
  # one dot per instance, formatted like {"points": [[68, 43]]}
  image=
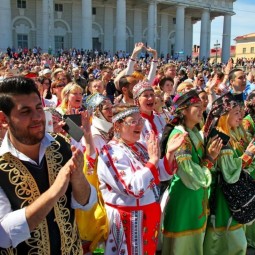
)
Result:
{"points": [[186, 211]]}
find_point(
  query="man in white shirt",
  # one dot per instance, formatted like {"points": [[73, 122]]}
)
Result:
{"points": [[41, 178]]}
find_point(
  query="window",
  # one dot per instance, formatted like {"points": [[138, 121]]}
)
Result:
{"points": [[252, 49], [94, 11], [244, 50], [58, 7], [22, 41], [22, 4], [174, 21], [59, 43]]}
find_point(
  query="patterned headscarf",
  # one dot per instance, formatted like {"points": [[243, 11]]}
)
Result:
{"points": [[220, 106], [181, 102]]}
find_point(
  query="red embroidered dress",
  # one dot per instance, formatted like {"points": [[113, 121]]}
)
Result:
{"points": [[129, 186]]}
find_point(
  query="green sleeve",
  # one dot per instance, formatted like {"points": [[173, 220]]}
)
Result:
{"points": [[191, 173], [230, 167]]}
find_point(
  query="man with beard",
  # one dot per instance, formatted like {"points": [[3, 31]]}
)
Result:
{"points": [[41, 178], [125, 86]]}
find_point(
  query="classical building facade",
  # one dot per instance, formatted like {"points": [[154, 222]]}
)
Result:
{"points": [[112, 25]]}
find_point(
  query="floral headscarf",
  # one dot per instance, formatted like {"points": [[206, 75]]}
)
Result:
{"points": [[220, 106], [181, 102]]}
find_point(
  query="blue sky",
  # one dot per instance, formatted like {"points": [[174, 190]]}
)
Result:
{"points": [[242, 23]]}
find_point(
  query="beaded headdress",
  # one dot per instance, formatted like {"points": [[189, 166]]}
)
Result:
{"points": [[123, 114], [140, 87], [95, 100]]}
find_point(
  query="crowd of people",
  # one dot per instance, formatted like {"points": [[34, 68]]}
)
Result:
{"points": [[144, 125]]}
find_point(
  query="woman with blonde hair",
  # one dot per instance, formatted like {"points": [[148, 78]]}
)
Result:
{"points": [[71, 99]]}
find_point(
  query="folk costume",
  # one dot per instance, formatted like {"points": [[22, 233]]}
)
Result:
{"points": [[186, 210], [153, 121], [129, 185], [224, 235], [102, 130], [22, 182], [249, 127]]}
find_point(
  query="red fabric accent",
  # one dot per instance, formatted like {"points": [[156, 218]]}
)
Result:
{"points": [[154, 171], [151, 120], [91, 161], [150, 226], [85, 247], [169, 169]]}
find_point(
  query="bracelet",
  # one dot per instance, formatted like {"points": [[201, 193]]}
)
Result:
{"points": [[155, 61], [132, 59]]}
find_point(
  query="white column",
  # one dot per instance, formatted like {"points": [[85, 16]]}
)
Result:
{"points": [[209, 38], [121, 25], [48, 27], [152, 25], [86, 24], [138, 37], [204, 34], [76, 26], [5, 25], [179, 30], [51, 26], [188, 42], [45, 25], [108, 29], [226, 39], [164, 34]]}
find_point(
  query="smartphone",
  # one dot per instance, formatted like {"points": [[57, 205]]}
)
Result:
{"points": [[76, 118], [73, 130], [225, 138]]}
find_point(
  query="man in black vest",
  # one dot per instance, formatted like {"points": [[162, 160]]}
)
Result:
{"points": [[41, 178]]}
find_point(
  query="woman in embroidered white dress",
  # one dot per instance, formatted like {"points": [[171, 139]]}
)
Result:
{"points": [[129, 175]]}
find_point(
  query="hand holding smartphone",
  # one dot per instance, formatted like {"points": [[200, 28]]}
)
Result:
{"points": [[225, 138]]}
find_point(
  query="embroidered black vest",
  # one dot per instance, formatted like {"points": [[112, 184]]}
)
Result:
{"points": [[57, 234]]}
